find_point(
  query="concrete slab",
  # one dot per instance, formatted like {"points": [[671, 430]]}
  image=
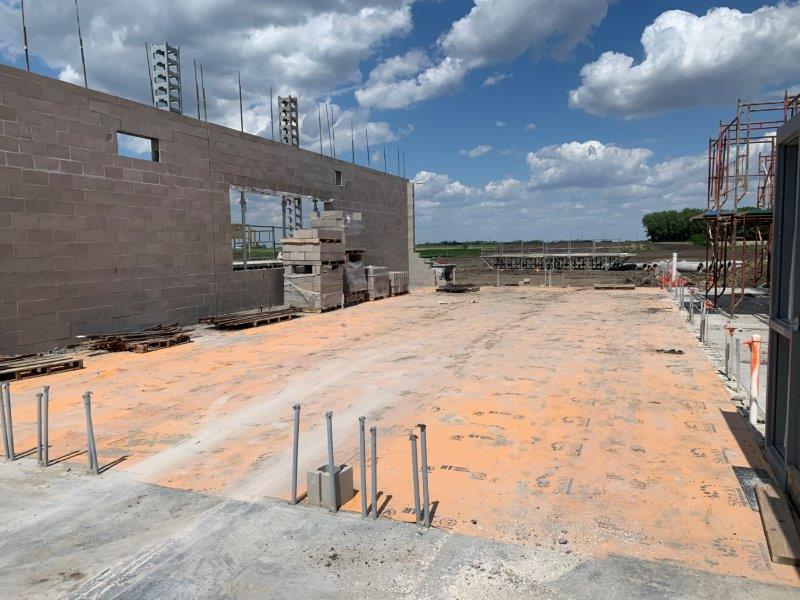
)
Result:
{"points": [[563, 425]]}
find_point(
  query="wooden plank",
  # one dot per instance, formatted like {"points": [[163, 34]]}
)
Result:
{"points": [[615, 286], [779, 527]]}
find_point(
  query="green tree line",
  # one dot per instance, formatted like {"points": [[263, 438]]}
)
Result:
{"points": [[675, 226]]}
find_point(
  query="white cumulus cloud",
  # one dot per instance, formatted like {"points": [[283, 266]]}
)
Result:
{"points": [[692, 60], [493, 32], [477, 151]]}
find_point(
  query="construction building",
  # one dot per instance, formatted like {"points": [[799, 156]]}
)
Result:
{"points": [[100, 243], [184, 417]]}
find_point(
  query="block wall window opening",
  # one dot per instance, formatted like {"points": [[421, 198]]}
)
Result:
{"points": [[257, 245], [338, 178], [137, 146]]}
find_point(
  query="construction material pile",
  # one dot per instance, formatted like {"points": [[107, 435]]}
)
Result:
{"points": [[458, 288], [324, 266], [152, 338], [251, 318], [398, 283], [377, 282], [313, 259], [349, 223]]}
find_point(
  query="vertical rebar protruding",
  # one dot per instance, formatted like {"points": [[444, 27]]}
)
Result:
{"points": [[6, 450], [425, 495], [80, 40], [331, 466], [362, 456], [196, 88], [352, 142], [415, 473], [39, 429], [737, 357], [6, 392], [203, 90], [702, 320], [366, 135], [25, 36], [691, 306], [295, 450], [373, 432], [46, 426], [271, 114], [92, 450]]}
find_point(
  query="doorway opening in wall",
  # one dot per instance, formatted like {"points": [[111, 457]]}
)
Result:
{"points": [[260, 219]]}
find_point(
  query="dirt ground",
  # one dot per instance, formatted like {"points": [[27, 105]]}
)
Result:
{"points": [[577, 420]]}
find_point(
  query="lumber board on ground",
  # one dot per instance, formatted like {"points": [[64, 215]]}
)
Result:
{"points": [[615, 286], [779, 528]]}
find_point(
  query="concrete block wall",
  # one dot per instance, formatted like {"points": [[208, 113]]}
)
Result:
{"points": [[94, 242]]}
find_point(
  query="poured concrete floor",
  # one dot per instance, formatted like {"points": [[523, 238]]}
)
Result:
{"points": [[580, 445]]}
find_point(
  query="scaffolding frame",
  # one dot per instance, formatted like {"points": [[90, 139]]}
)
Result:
{"points": [[741, 191]]}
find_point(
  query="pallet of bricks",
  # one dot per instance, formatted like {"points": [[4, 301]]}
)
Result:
{"points": [[398, 283], [354, 281], [377, 282], [313, 260]]}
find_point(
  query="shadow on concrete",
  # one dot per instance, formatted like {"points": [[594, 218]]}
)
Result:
{"points": [[24, 453], [113, 463], [67, 456]]}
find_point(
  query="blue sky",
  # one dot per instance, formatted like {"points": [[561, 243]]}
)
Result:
{"points": [[518, 118]]}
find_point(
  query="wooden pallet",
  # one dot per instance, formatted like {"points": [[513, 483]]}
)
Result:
{"points": [[322, 310], [250, 319], [353, 298], [22, 368], [146, 340], [158, 343]]}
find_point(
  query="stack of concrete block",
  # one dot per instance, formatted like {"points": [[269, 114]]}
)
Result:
{"points": [[355, 282], [349, 223], [312, 260], [313, 247], [377, 282], [313, 292], [398, 283]]}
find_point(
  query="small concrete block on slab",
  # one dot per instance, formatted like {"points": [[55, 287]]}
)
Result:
{"points": [[319, 487]]}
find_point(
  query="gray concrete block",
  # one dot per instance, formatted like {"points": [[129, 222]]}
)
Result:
{"points": [[319, 486]]}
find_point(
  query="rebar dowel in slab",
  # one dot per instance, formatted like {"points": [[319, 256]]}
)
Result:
{"points": [[6, 450], [6, 392], [91, 448], [295, 450], [415, 474], [39, 401], [373, 432], [362, 457], [46, 426], [331, 467], [425, 495]]}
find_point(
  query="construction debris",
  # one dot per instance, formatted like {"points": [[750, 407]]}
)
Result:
{"points": [[31, 365], [152, 338], [241, 320], [458, 288], [615, 286]]}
